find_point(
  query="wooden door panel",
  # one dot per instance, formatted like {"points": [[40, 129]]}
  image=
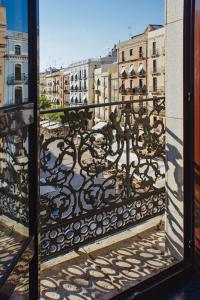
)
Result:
{"points": [[197, 129]]}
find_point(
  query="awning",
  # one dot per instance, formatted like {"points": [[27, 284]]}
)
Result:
{"points": [[50, 123], [132, 71], [99, 126], [123, 71], [141, 69], [44, 122], [53, 127]]}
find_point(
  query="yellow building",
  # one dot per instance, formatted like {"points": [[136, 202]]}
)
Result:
{"points": [[106, 89], [156, 63]]}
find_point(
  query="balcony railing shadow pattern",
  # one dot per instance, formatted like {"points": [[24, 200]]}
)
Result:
{"points": [[94, 182], [105, 273], [10, 243]]}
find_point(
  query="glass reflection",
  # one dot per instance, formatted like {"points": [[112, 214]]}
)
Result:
{"points": [[13, 52], [14, 151]]}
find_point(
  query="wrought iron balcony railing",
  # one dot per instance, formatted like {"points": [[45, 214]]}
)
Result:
{"points": [[12, 80], [157, 90], [96, 180], [155, 52], [133, 91]]}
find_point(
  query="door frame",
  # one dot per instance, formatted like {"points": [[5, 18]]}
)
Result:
{"points": [[32, 241], [175, 275]]}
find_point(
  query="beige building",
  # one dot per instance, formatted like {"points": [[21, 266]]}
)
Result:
{"points": [[65, 88], [133, 60], [114, 84], [156, 63], [54, 85], [106, 89], [2, 53]]}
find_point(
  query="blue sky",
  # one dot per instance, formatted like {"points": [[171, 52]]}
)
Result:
{"points": [[72, 30], [16, 11]]}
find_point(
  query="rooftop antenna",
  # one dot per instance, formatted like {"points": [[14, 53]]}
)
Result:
{"points": [[130, 31]]}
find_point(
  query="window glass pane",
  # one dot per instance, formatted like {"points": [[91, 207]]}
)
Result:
{"points": [[14, 136]]}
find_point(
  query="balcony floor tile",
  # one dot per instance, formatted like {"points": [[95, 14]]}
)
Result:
{"points": [[104, 273]]}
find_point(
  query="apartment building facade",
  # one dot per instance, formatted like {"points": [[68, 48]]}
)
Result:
{"points": [[65, 89], [133, 61], [16, 67], [106, 88], [2, 52], [156, 63], [53, 78], [82, 78], [55, 86], [81, 81]]}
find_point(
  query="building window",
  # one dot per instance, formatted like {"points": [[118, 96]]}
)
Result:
{"points": [[17, 50], [140, 52], [155, 84], [131, 52], [123, 56], [141, 83], [131, 84], [18, 72], [18, 95], [123, 98], [85, 86], [154, 48], [154, 66]]}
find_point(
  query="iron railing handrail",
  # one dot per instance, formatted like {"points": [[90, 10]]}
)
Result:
{"points": [[88, 106]]}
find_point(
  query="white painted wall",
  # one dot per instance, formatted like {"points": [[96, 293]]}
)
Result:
{"points": [[174, 127]]}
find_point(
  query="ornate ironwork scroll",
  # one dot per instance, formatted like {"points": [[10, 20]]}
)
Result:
{"points": [[97, 180]]}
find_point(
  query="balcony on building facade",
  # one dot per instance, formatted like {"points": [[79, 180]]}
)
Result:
{"points": [[12, 80], [157, 90], [123, 75], [98, 92], [66, 91], [123, 90], [132, 75], [142, 74], [141, 90], [141, 56], [155, 52], [130, 91], [157, 70]]}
